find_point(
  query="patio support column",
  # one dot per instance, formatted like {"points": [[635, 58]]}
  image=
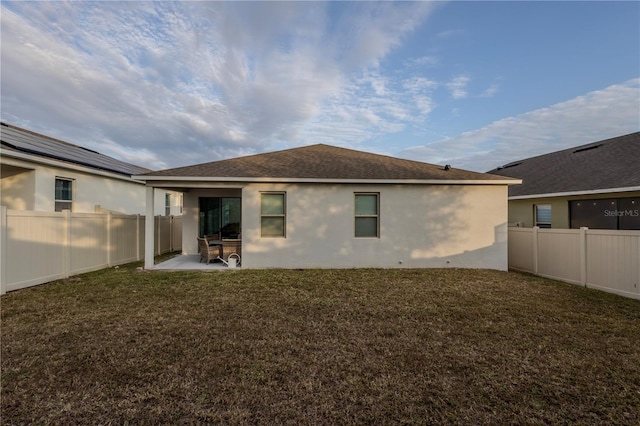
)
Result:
{"points": [[149, 234]]}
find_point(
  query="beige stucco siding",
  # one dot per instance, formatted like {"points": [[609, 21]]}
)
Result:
{"points": [[17, 187], [420, 226], [31, 186]]}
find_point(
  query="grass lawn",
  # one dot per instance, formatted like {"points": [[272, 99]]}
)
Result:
{"points": [[318, 347]]}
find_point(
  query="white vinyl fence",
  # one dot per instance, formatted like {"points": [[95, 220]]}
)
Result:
{"points": [[607, 260], [38, 247]]}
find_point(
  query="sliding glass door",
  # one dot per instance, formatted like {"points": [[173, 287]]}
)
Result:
{"points": [[220, 215]]}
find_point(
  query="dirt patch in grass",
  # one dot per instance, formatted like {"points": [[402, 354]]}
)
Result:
{"points": [[318, 347]]}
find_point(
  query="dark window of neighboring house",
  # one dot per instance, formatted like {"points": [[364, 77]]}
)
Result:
{"points": [[273, 217], [167, 204], [367, 223], [609, 213], [63, 194], [543, 215], [220, 215], [629, 213]]}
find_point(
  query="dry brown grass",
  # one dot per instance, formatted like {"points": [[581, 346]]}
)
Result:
{"points": [[318, 347]]}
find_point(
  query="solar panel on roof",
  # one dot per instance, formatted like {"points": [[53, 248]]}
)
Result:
{"points": [[41, 145]]}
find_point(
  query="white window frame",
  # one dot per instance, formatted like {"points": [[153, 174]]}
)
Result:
{"points": [[271, 215], [56, 200], [167, 204], [540, 223], [357, 216]]}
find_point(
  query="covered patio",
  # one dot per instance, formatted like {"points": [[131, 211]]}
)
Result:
{"points": [[190, 262], [208, 209]]}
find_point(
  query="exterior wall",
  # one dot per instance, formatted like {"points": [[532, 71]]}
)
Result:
{"points": [[420, 226], [522, 210], [34, 188], [17, 187]]}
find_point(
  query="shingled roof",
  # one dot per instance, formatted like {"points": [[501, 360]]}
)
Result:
{"points": [[21, 140], [322, 162], [604, 165]]}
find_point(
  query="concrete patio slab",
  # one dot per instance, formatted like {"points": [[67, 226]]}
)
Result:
{"points": [[189, 262]]}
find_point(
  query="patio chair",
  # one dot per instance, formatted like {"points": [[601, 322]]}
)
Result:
{"points": [[212, 237], [207, 252]]}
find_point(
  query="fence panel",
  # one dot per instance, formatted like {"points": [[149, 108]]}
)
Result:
{"points": [[123, 239], [89, 243], [559, 254], [613, 261], [32, 248], [38, 247], [163, 234], [521, 249], [141, 225], [607, 260], [177, 233]]}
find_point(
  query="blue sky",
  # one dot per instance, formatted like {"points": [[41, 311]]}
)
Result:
{"points": [[471, 84]]}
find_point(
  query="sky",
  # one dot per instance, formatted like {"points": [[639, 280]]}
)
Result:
{"points": [[472, 84]]}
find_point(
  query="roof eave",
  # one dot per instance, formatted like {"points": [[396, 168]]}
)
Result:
{"points": [[505, 181], [52, 162], [572, 193]]}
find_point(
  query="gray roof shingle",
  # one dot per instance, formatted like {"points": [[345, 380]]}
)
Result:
{"points": [[322, 162], [18, 139], [608, 164]]}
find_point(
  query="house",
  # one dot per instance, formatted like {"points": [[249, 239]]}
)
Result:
{"points": [[45, 174], [321, 206], [596, 185]]}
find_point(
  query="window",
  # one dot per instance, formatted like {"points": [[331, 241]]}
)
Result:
{"points": [[367, 218], [272, 214], [167, 204], [63, 194], [543, 215], [607, 213], [220, 215]]}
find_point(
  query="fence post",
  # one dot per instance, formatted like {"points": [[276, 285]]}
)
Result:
{"points": [[157, 223], [534, 237], [3, 249], [148, 230], [583, 256], [138, 237], [66, 270], [109, 218], [171, 234], [637, 283]]}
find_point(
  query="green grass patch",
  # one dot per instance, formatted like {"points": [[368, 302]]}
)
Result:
{"points": [[318, 347]]}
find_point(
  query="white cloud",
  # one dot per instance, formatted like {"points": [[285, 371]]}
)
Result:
{"points": [[164, 84], [423, 61], [168, 82], [598, 115], [490, 91], [458, 86]]}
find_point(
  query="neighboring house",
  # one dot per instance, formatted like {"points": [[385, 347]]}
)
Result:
{"points": [[596, 185], [44, 174], [326, 207]]}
